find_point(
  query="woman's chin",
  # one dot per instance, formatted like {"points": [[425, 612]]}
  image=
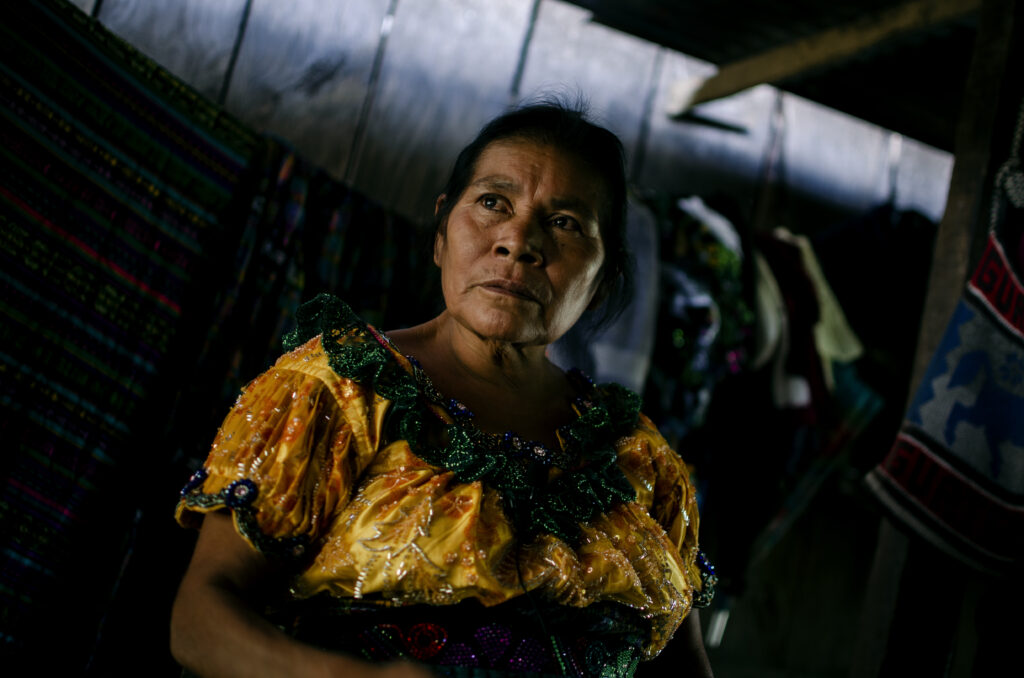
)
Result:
{"points": [[508, 327]]}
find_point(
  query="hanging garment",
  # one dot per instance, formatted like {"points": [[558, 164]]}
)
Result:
{"points": [[704, 320], [877, 266], [798, 381], [770, 315], [833, 336]]}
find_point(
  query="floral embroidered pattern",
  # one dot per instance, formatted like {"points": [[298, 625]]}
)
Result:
{"points": [[594, 485]]}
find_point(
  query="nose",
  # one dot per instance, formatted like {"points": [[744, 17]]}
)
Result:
{"points": [[522, 240]]}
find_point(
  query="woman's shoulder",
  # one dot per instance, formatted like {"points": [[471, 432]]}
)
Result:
{"points": [[643, 454], [331, 341], [612, 406], [325, 314], [327, 325]]}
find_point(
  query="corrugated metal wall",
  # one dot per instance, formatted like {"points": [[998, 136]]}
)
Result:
{"points": [[383, 93]]}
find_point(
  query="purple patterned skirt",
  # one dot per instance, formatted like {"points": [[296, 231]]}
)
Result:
{"points": [[521, 637]]}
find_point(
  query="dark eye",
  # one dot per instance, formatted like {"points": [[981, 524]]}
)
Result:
{"points": [[565, 223], [490, 202]]}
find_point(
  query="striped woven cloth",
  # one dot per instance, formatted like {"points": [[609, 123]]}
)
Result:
{"points": [[152, 252], [114, 182]]}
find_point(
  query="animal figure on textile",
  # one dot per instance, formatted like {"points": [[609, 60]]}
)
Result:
{"points": [[976, 369], [970, 394]]}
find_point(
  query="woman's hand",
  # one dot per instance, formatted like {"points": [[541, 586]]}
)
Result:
{"points": [[216, 631]]}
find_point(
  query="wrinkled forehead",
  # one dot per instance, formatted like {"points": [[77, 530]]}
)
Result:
{"points": [[585, 185]]}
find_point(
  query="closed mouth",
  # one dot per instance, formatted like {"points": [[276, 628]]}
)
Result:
{"points": [[510, 288]]}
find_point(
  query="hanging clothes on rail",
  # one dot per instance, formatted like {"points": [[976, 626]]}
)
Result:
{"points": [[877, 265], [704, 318], [801, 400]]}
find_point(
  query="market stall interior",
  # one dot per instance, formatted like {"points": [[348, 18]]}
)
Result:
{"points": [[811, 186]]}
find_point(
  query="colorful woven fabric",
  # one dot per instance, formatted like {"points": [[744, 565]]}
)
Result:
{"points": [[955, 475], [303, 233], [113, 180], [956, 472], [151, 251]]}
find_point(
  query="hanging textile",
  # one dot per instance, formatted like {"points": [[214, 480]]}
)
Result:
{"points": [[955, 475], [304, 233], [801, 400], [798, 380], [114, 181], [151, 250], [834, 339], [883, 301]]}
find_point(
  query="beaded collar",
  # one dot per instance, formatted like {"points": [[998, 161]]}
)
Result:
{"points": [[591, 481]]}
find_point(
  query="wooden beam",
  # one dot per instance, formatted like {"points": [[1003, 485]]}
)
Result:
{"points": [[828, 47]]}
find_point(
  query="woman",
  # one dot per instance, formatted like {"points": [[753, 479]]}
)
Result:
{"points": [[525, 522]]}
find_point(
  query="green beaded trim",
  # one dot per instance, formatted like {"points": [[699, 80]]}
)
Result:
{"points": [[360, 358], [558, 507]]}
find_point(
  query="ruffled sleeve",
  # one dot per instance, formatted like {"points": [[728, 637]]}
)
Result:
{"points": [[671, 501], [287, 455]]}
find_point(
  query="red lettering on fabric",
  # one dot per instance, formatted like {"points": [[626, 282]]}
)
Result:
{"points": [[990, 270], [900, 461], [995, 283]]}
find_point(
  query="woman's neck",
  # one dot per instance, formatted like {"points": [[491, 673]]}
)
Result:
{"points": [[508, 387]]}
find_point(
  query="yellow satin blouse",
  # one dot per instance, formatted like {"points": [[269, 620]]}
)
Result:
{"points": [[305, 462]]}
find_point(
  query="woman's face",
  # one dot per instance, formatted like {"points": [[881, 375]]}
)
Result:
{"points": [[521, 251]]}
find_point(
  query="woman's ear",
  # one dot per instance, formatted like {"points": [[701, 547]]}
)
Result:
{"points": [[441, 228], [438, 246]]}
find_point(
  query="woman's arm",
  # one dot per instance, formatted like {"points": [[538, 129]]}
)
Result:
{"points": [[683, 657], [690, 643], [215, 630]]}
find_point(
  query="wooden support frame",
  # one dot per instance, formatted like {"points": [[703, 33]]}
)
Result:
{"points": [[828, 47]]}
